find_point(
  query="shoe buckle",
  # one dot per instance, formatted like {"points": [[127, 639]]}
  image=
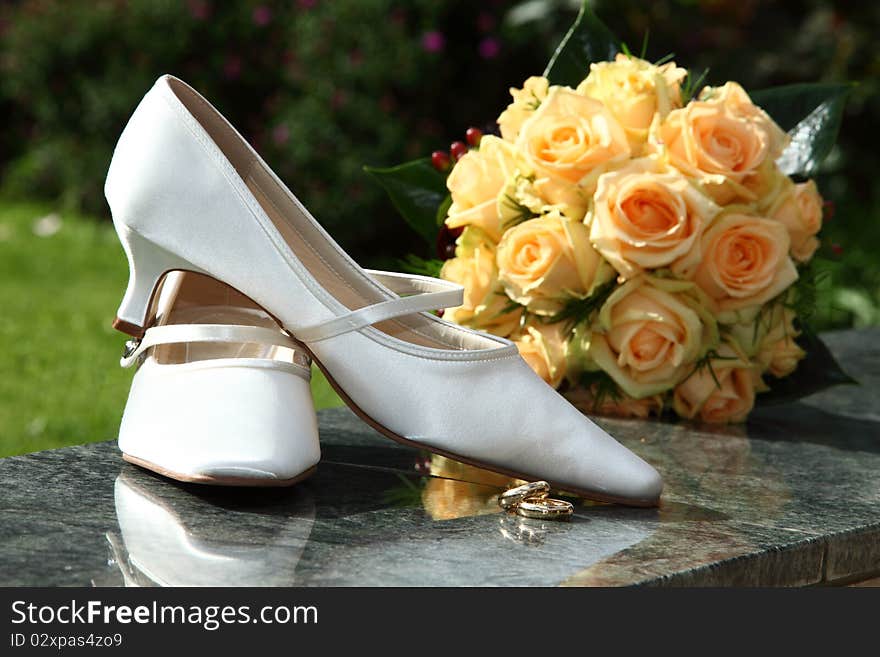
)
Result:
{"points": [[131, 346]]}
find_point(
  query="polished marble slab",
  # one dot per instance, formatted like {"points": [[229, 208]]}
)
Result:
{"points": [[792, 498]]}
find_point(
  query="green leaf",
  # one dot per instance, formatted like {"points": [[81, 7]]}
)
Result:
{"points": [[811, 114], [443, 210], [414, 264], [417, 190], [575, 311], [605, 387], [817, 371], [589, 40]]}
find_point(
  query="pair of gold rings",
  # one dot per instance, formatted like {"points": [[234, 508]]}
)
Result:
{"points": [[531, 501]]}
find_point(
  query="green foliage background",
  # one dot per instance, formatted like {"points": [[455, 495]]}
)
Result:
{"points": [[322, 88]]}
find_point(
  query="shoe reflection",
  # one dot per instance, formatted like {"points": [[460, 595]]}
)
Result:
{"points": [[171, 535], [457, 490]]}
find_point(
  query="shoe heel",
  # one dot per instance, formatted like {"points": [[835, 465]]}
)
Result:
{"points": [[147, 266]]}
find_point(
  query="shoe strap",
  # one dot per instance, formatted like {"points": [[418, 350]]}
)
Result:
{"points": [[201, 333], [425, 294]]}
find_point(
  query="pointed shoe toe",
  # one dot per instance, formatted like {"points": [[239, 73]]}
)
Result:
{"points": [[624, 476]]}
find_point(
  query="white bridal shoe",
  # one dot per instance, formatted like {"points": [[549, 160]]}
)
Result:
{"points": [[188, 193], [221, 395]]}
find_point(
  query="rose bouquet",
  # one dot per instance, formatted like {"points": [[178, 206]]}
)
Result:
{"points": [[646, 241]]}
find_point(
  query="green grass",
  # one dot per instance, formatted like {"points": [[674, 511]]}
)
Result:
{"points": [[60, 383]]}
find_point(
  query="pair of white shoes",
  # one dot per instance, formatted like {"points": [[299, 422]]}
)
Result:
{"points": [[221, 394]]}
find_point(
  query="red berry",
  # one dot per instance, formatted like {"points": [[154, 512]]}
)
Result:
{"points": [[473, 136], [440, 160], [446, 241], [836, 249], [458, 149]]}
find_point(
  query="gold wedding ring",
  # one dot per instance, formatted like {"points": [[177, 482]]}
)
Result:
{"points": [[509, 499], [530, 501], [545, 509]]}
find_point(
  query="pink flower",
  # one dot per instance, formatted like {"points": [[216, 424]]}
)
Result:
{"points": [[340, 99], [489, 48], [262, 15], [387, 103], [199, 9], [433, 41], [280, 134]]}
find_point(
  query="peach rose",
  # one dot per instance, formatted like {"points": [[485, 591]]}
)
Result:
{"points": [[799, 208], [475, 183], [543, 347], [519, 201], [646, 216], [780, 357], [485, 306], [779, 354], [571, 200], [571, 137], [763, 185], [724, 393], [647, 338], [544, 261], [770, 340], [635, 90], [721, 140], [745, 263], [525, 102]]}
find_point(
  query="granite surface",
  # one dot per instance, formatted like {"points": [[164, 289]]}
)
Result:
{"points": [[791, 498]]}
